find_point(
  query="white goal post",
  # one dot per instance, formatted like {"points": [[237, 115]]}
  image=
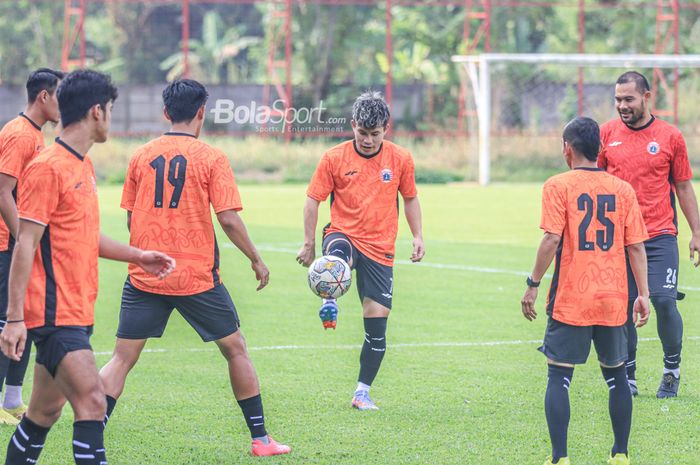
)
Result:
{"points": [[478, 72]]}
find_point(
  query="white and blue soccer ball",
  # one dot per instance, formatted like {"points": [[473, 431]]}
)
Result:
{"points": [[330, 277]]}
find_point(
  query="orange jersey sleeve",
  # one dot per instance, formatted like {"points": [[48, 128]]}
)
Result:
{"points": [[15, 153], [407, 184], [680, 165], [223, 191], [321, 184], [553, 208], [635, 230], [130, 187], [38, 193]]}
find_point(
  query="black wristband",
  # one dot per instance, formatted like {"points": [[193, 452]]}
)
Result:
{"points": [[14, 321], [531, 283]]}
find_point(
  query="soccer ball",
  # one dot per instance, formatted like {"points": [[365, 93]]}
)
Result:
{"points": [[329, 277]]}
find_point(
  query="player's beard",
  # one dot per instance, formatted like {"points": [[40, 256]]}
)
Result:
{"points": [[634, 116]]}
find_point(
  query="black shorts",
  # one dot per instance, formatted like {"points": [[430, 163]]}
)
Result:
{"points": [[565, 343], [53, 343], [143, 314], [5, 259], [374, 280], [662, 265]]}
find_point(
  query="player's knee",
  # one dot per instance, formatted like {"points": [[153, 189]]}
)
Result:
{"points": [[90, 407], [45, 415], [664, 306], [233, 346]]}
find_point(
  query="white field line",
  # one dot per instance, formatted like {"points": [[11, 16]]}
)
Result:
{"points": [[441, 266], [212, 347]]}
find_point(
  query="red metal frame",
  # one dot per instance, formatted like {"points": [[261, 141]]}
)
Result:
{"points": [[667, 41], [73, 30], [476, 34]]}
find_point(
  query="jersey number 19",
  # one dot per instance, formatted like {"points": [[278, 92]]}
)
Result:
{"points": [[177, 168]]}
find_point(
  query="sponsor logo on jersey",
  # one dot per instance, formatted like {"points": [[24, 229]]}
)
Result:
{"points": [[653, 148], [614, 144], [669, 286], [351, 173], [386, 175]]}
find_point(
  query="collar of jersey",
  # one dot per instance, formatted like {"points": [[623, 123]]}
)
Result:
{"points": [[585, 168], [170, 133], [69, 148], [30, 120], [653, 118], [354, 145]]}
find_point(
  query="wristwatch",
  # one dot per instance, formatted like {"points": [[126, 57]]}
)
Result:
{"points": [[531, 283]]}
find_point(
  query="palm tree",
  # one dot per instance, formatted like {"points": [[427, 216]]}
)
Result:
{"points": [[210, 58]]}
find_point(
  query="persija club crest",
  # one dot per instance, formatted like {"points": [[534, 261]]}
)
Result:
{"points": [[653, 148], [386, 175]]}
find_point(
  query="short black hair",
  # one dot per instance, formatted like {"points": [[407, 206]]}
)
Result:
{"points": [[583, 134], [370, 110], [640, 82], [42, 79], [183, 98], [81, 90]]}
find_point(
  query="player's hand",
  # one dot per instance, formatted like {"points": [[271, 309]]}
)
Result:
{"points": [[12, 340], [640, 311], [695, 249], [262, 274], [156, 263], [418, 249], [527, 304], [306, 254]]}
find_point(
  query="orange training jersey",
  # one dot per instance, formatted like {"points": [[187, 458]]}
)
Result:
{"points": [[58, 190], [20, 141], [596, 215], [364, 195], [651, 159], [169, 187]]}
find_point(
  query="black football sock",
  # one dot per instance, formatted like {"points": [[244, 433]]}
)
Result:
{"points": [[373, 349], [111, 403], [619, 406], [669, 325], [557, 409], [252, 409], [88, 443], [26, 443], [631, 363]]}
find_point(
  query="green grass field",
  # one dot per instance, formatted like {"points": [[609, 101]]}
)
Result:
{"points": [[462, 382]]}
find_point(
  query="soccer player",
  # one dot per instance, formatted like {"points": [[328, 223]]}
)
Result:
{"points": [[20, 141], [590, 218], [53, 289], [364, 176], [651, 155], [171, 184]]}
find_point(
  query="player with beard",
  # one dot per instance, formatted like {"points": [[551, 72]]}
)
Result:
{"points": [[651, 155]]}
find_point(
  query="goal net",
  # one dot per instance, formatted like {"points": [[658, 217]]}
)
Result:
{"points": [[517, 105]]}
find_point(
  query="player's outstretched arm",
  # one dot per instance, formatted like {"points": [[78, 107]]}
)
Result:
{"points": [[414, 218], [307, 253], [14, 335], [545, 255], [689, 205], [8, 207], [638, 262], [235, 229], [155, 263]]}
